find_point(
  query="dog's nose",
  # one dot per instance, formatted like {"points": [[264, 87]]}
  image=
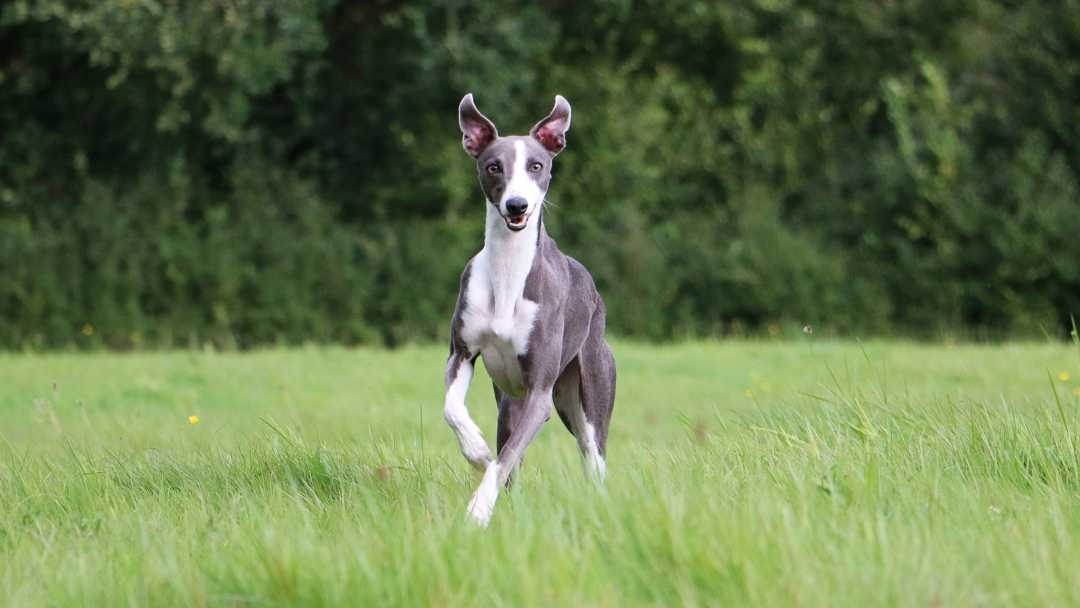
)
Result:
{"points": [[516, 206]]}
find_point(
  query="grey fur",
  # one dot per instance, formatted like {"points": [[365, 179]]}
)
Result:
{"points": [[567, 361]]}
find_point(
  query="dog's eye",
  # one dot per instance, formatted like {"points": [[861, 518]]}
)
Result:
{"points": [[494, 169], [535, 166]]}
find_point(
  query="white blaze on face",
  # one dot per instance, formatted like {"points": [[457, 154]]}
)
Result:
{"points": [[521, 182]]}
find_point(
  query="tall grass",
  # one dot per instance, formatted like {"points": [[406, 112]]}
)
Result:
{"points": [[739, 474]]}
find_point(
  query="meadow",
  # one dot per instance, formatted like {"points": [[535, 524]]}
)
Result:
{"points": [[808, 473]]}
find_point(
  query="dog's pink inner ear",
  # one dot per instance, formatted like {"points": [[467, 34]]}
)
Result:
{"points": [[552, 135], [476, 136]]}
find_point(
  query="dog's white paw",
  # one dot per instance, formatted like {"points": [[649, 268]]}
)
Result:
{"points": [[482, 505], [595, 468], [480, 512]]}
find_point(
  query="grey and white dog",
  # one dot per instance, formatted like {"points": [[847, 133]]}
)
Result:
{"points": [[530, 311]]}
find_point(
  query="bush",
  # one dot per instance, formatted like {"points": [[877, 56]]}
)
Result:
{"points": [[247, 173]]}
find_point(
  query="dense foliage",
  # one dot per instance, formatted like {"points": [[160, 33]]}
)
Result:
{"points": [[243, 172]]}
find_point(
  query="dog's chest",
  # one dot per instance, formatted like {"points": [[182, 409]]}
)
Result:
{"points": [[498, 319]]}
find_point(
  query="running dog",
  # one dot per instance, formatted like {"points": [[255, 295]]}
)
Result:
{"points": [[532, 313]]}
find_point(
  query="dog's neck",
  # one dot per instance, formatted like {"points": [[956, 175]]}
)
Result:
{"points": [[510, 257]]}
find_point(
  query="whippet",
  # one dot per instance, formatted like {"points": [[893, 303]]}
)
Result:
{"points": [[530, 311]]}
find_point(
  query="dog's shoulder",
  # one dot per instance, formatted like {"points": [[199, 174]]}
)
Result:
{"points": [[580, 276], [559, 278]]}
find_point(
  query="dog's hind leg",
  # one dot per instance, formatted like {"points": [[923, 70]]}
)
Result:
{"points": [[596, 370], [569, 404], [459, 371], [567, 395], [581, 417]]}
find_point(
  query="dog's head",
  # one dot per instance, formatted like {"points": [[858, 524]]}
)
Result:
{"points": [[515, 171]]}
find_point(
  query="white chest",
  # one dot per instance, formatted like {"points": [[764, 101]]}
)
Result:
{"points": [[500, 341], [498, 320]]}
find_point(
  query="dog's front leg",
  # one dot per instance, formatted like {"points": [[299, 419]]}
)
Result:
{"points": [[536, 408], [459, 371]]}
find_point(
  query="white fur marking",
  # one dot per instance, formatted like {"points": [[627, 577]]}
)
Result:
{"points": [[469, 437], [522, 183], [482, 504], [594, 461], [507, 259], [498, 320], [585, 432]]}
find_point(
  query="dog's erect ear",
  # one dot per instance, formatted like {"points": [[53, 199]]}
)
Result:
{"points": [[551, 131], [477, 132]]}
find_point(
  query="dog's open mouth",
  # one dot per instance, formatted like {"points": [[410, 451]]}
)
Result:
{"points": [[516, 222]]}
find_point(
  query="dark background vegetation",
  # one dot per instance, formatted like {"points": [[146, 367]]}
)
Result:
{"points": [[246, 172]]}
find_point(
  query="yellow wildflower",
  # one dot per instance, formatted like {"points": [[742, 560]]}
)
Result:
{"points": [[1063, 376], [193, 419]]}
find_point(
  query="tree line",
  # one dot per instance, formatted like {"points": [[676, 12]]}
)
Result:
{"points": [[244, 173]]}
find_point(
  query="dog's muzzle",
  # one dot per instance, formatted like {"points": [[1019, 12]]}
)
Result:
{"points": [[515, 216]]}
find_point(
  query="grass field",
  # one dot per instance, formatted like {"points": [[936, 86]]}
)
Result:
{"points": [[739, 473]]}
